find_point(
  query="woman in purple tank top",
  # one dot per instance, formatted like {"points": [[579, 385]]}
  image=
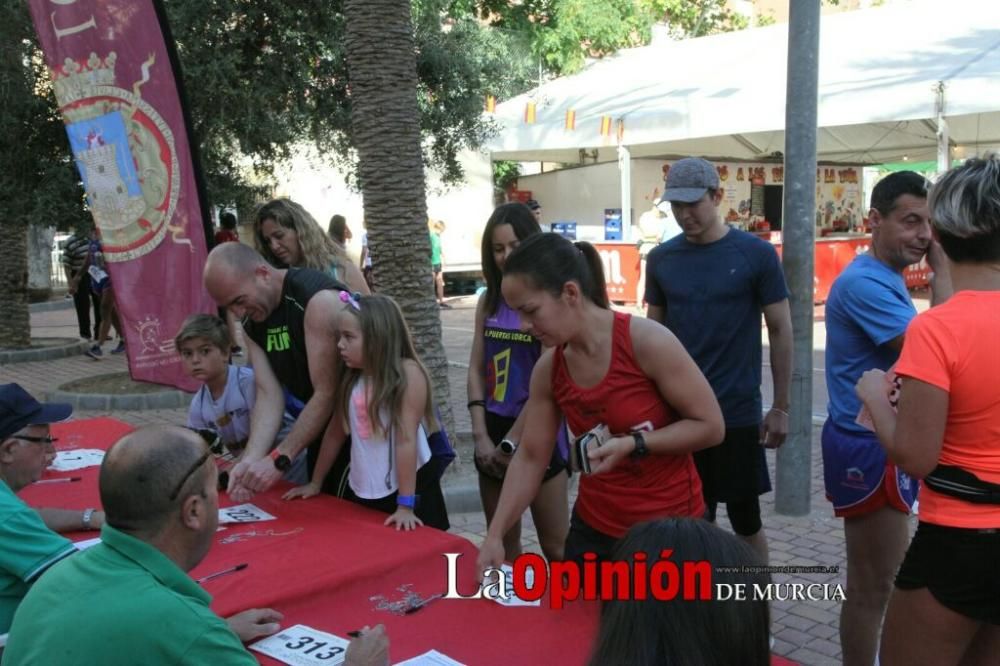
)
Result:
{"points": [[499, 374]]}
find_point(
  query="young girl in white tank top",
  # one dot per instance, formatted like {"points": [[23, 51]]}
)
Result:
{"points": [[383, 399]]}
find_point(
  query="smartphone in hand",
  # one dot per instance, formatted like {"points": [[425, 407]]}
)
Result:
{"points": [[584, 444]]}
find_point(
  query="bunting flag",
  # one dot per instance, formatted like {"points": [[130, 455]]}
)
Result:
{"points": [[491, 104], [571, 119], [621, 130], [116, 81], [529, 113], [606, 125]]}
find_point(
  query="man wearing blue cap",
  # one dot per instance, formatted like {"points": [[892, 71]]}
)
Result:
{"points": [[709, 286], [27, 546]]}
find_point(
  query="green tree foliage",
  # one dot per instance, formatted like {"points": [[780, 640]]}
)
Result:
{"points": [[563, 33], [38, 183], [688, 18], [38, 179], [265, 77]]}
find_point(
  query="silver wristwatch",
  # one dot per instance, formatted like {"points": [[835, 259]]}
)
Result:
{"points": [[508, 447], [88, 514]]}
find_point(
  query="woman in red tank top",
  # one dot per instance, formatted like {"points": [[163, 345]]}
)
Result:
{"points": [[606, 368]]}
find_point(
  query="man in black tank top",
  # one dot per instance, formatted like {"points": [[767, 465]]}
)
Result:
{"points": [[290, 320]]}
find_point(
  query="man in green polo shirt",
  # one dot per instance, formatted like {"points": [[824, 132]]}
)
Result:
{"points": [[129, 599], [27, 546]]}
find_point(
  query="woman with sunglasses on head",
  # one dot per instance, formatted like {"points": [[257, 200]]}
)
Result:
{"points": [[608, 372], [945, 608], [288, 236], [500, 368]]}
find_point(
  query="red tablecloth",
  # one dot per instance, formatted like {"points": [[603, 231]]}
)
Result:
{"points": [[323, 560]]}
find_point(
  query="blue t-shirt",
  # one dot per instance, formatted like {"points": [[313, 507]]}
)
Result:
{"points": [[713, 295], [868, 306]]}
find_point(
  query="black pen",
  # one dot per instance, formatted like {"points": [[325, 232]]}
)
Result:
{"points": [[354, 634], [238, 567]]}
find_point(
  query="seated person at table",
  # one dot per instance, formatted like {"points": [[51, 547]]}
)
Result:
{"points": [[652, 632], [15, 404], [224, 403], [386, 394], [27, 546], [129, 598]]}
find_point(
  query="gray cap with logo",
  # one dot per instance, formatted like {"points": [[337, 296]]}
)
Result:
{"points": [[689, 179]]}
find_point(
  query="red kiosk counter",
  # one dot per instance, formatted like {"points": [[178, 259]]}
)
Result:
{"points": [[623, 269]]}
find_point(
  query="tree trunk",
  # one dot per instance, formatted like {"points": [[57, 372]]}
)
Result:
{"points": [[385, 123], [15, 321]]}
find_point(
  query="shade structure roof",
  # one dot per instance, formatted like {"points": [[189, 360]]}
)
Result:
{"points": [[723, 96]]}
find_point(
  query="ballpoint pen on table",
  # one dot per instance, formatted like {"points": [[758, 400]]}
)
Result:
{"points": [[238, 567], [415, 607], [65, 479]]}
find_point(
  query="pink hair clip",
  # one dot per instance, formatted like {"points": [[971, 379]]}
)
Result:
{"points": [[351, 299]]}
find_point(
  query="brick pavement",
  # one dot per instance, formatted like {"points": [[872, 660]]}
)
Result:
{"points": [[805, 631]]}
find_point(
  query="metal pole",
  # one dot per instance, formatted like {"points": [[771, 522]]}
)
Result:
{"points": [[943, 145], [625, 169], [794, 461]]}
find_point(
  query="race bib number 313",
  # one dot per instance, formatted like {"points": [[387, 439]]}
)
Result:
{"points": [[303, 646]]}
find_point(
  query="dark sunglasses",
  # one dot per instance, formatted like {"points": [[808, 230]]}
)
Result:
{"points": [[214, 444], [36, 440]]}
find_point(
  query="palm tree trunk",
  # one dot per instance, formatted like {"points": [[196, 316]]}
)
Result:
{"points": [[15, 321], [385, 123]]}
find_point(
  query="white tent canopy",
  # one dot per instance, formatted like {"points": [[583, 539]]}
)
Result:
{"points": [[724, 96]]}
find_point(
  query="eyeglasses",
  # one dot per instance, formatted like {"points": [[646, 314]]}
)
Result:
{"points": [[37, 440], [212, 439], [180, 486], [214, 443]]}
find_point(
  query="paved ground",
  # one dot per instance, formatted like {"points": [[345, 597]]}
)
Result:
{"points": [[805, 631]]}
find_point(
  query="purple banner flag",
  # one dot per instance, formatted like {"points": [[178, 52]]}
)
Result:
{"points": [[119, 96]]}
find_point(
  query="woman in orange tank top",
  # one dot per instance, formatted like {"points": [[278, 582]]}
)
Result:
{"points": [[945, 608]]}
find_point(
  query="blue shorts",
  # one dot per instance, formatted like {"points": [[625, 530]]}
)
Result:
{"points": [[858, 476]]}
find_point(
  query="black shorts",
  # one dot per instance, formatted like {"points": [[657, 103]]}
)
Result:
{"points": [[959, 566], [736, 469], [582, 539], [436, 268], [497, 428], [430, 508]]}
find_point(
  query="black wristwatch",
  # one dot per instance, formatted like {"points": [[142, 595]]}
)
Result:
{"points": [[281, 461], [507, 447], [640, 446]]}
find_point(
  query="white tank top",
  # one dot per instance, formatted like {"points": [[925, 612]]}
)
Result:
{"points": [[373, 462]]}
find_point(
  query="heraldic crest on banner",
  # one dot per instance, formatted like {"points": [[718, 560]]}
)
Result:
{"points": [[125, 154]]}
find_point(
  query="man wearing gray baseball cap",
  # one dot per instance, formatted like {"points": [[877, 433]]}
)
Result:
{"points": [[709, 286]]}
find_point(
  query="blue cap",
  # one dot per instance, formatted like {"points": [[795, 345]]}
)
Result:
{"points": [[18, 409], [689, 179]]}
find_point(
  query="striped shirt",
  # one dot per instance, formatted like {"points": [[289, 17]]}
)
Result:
{"points": [[75, 252]]}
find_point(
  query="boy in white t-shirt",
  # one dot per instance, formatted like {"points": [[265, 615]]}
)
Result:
{"points": [[223, 404]]}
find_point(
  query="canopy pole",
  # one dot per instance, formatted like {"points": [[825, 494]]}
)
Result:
{"points": [[794, 460], [943, 145], [625, 169]]}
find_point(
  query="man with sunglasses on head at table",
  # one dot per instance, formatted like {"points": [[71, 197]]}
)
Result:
{"points": [[160, 490], [289, 317], [28, 541]]}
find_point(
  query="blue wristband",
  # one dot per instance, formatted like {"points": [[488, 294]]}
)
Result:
{"points": [[409, 501]]}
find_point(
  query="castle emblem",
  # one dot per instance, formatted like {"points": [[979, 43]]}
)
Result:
{"points": [[125, 154]]}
